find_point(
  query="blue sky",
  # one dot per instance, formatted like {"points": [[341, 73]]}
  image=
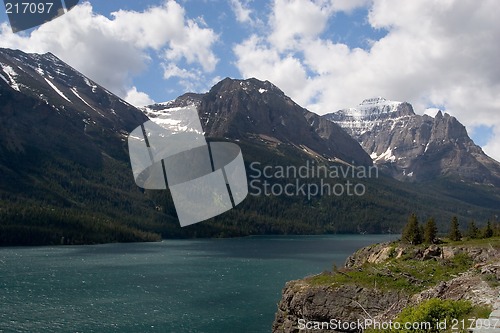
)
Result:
{"points": [[325, 54]]}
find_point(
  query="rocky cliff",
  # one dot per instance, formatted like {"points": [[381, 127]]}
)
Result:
{"points": [[377, 282]]}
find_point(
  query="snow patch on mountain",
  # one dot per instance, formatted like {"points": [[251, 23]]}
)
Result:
{"points": [[90, 84], [11, 74], [174, 119], [40, 71], [57, 90], [386, 156], [370, 107], [75, 92], [369, 114]]}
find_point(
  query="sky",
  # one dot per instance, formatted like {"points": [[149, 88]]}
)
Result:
{"points": [[325, 54]]}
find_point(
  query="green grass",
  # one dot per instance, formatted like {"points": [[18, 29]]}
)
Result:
{"points": [[410, 276], [480, 311], [406, 273], [434, 311]]}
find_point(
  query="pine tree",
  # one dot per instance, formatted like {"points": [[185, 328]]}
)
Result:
{"points": [[455, 234], [411, 232], [488, 231], [430, 231], [472, 230]]}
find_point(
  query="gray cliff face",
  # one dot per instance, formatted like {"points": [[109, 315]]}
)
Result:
{"points": [[347, 303], [302, 300], [416, 148], [258, 110]]}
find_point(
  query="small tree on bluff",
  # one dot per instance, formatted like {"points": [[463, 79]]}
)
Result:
{"points": [[430, 231], [411, 232], [488, 230], [455, 234], [473, 230]]}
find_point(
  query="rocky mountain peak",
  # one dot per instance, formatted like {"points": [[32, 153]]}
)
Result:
{"points": [[369, 114], [377, 106], [374, 101], [414, 147], [248, 86]]}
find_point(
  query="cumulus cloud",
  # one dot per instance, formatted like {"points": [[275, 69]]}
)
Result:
{"points": [[138, 98], [293, 20], [113, 50], [256, 59], [190, 80], [434, 53]]}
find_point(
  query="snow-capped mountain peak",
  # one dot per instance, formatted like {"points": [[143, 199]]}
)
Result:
{"points": [[415, 147], [370, 114], [370, 107]]}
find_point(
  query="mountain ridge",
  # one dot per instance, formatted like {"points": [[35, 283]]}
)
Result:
{"points": [[261, 111]]}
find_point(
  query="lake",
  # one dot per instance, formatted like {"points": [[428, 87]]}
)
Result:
{"points": [[209, 285]]}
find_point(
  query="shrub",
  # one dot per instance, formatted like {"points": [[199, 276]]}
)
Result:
{"points": [[432, 311]]}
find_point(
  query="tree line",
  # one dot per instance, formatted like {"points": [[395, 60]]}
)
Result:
{"points": [[415, 233]]}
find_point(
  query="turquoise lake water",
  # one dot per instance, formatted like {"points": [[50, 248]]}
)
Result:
{"points": [[211, 285]]}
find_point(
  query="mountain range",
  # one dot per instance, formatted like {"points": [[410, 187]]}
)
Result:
{"points": [[260, 111], [66, 176]]}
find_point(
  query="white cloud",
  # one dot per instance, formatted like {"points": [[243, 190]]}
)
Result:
{"points": [[435, 53], [172, 70], [347, 5], [256, 59], [112, 51], [138, 98], [492, 148], [431, 112], [194, 45], [241, 11], [193, 80], [296, 19]]}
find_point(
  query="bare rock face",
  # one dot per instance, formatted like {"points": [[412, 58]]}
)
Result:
{"points": [[374, 254], [477, 254], [468, 286], [431, 252], [413, 147], [347, 303]]}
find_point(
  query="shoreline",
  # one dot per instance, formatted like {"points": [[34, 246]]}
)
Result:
{"points": [[197, 238]]}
